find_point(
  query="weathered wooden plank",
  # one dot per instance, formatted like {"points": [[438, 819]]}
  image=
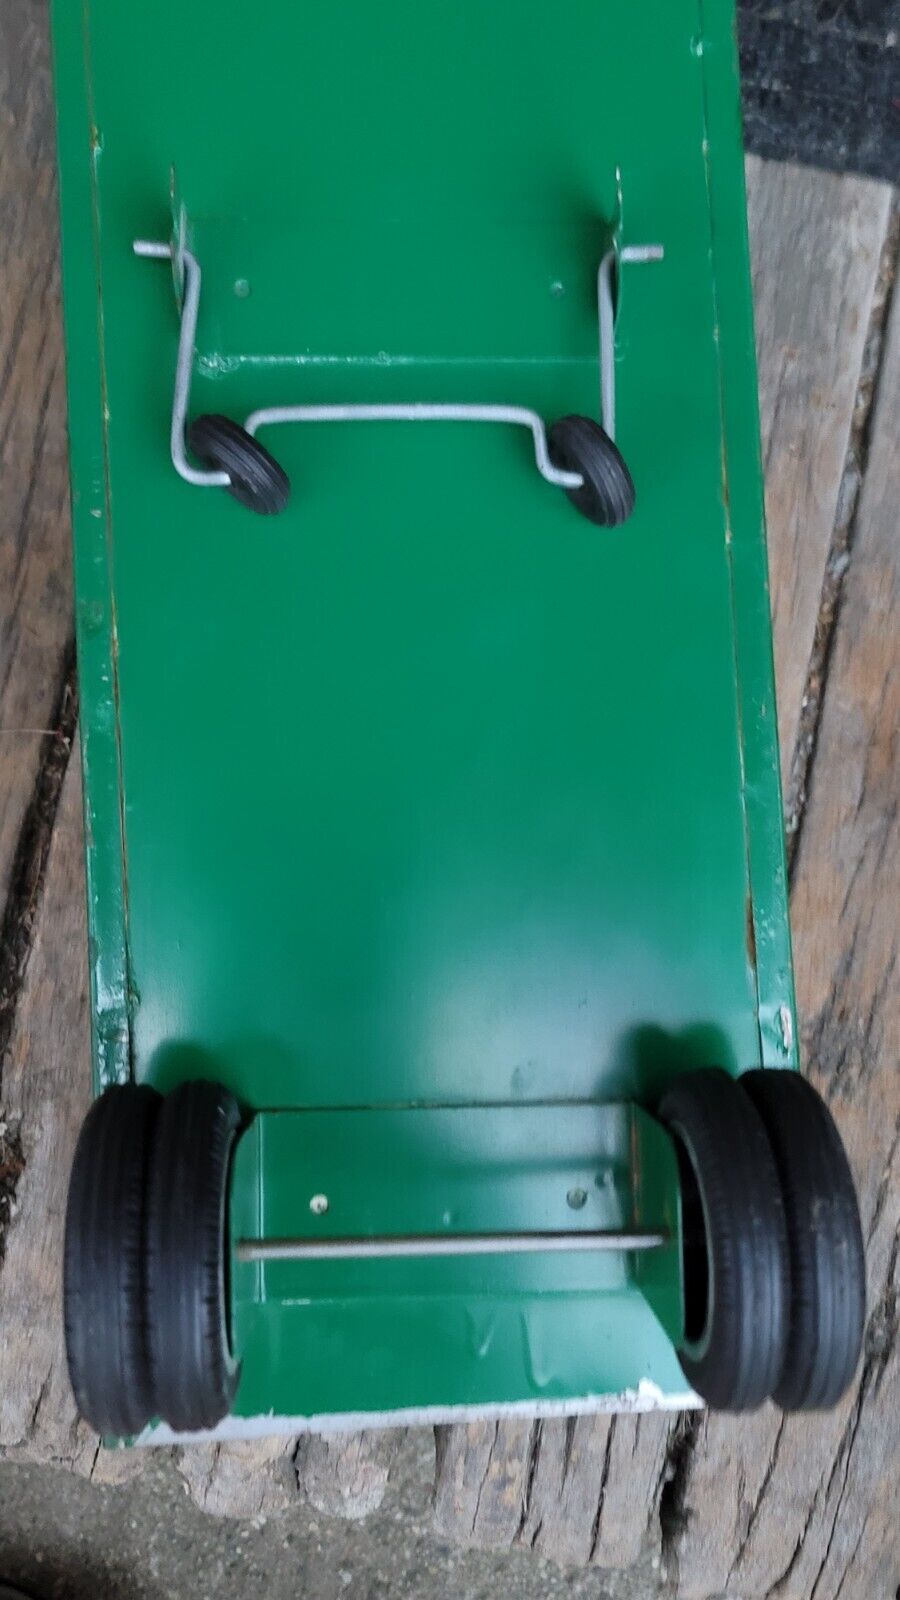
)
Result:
{"points": [[638, 1465], [564, 1488], [808, 1507], [341, 1475], [251, 1479], [346, 1475], [815, 241], [482, 1471], [35, 584], [582, 1491], [580, 1507], [46, 1093], [568, 1487]]}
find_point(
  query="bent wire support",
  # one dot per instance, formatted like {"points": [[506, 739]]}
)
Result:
{"points": [[517, 416]]}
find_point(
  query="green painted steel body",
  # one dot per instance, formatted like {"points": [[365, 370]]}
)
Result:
{"points": [[389, 1336], [426, 793]]}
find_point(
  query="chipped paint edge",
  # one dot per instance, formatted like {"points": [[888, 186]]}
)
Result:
{"points": [[647, 1397], [79, 150], [743, 489]]}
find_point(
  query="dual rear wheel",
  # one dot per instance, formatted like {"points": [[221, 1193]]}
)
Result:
{"points": [[773, 1269], [145, 1272], [773, 1259]]}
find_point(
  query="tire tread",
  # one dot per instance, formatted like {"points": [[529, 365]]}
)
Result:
{"points": [[827, 1254], [104, 1267], [747, 1239]]}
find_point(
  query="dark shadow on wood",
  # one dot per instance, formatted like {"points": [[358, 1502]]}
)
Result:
{"points": [[33, 849]]}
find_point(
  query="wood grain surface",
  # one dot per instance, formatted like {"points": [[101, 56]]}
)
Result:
{"points": [[743, 1508], [816, 242], [35, 564], [46, 1094]]}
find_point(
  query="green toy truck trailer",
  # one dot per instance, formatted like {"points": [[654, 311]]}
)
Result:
{"points": [[444, 1030]]}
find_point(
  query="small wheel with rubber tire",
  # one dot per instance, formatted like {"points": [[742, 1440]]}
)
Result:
{"points": [[734, 1242], [607, 495], [195, 1373], [257, 480], [104, 1274], [825, 1241]]}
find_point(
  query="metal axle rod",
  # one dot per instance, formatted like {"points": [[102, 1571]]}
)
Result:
{"points": [[409, 1246]]}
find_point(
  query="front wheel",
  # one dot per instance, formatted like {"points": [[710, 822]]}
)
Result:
{"points": [[257, 480], [606, 497]]}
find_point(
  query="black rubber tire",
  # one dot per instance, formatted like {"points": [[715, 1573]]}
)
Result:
{"points": [[736, 1273], [104, 1281], [195, 1375], [578, 444], [257, 480], [825, 1241]]}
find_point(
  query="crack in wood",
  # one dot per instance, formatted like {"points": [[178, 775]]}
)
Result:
{"points": [[531, 1467], [880, 1334], [12, 1165], [843, 1455], [672, 1500], [777, 1588], [842, 1041], [571, 1425], [882, 1328], [884, 1185], [442, 1435], [94, 1459], [38, 446], [841, 548], [601, 1495], [852, 1557], [663, 1478], [484, 1477], [758, 1503], [33, 849], [41, 1397]]}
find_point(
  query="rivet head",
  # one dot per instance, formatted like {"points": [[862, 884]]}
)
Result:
{"points": [[318, 1205]]}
